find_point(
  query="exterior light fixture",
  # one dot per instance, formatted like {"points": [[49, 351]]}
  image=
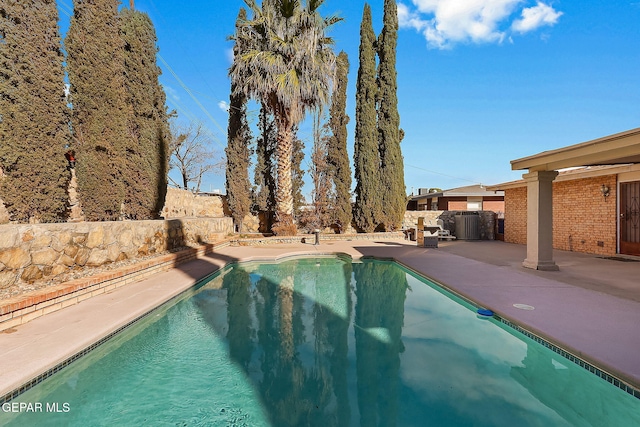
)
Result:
{"points": [[605, 191]]}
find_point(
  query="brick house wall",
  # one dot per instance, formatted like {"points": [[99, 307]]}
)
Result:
{"points": [[457, 204], [495, 204], [515, 215], [583, 220]]}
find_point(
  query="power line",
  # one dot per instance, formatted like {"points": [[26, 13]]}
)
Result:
{"points": [[188, 58], [193, 97], [65, 8], [443, 174], [179, 107]]}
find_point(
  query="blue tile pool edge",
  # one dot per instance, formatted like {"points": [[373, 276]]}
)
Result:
{"points": [[601, 373], [612, 379]]}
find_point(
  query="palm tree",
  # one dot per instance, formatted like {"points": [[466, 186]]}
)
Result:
{"points": [[287, 62]]}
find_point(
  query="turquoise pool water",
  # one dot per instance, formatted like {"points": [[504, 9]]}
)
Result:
{"points": [[322, 342]]}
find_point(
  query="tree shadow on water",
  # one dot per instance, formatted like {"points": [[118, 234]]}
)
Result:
{"points": [[288, 326]]}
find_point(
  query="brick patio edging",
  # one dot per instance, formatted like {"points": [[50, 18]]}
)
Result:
{"points": [[24, 308]]}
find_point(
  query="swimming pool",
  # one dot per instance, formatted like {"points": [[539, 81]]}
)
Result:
{"points": [[325, 342]]}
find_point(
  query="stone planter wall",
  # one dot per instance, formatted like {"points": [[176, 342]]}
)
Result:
{"points": [[310, 238], [30, 252]]}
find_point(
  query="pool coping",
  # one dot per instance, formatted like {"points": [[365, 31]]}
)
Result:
{"points": [[608, 373]]}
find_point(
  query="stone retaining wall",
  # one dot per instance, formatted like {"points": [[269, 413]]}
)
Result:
{"points": [[310, 238], [30, 252], [178, 204], [184, 204]]}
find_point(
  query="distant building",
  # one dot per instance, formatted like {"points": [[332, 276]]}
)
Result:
{"points": [[470, 198]]}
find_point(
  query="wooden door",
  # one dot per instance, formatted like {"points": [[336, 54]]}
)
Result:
{"points": [[630, 218]]}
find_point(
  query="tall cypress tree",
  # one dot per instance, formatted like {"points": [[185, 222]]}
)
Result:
{"points": [[337, 156], [264, 190], [148, 129], [95, 65], [389, 134], [368, 207], [238, 152], [34, 126]]}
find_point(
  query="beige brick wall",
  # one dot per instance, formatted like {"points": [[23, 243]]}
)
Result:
{"points": [[583, 221], [493, 205], [457, 205], [515, 215]]}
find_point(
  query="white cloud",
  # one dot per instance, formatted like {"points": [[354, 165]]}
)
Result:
{"points": [[445, 23], [535, 17], [406, 18], [224, 106]]}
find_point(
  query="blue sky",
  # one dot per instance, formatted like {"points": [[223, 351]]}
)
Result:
{"points": [[480, 82]]}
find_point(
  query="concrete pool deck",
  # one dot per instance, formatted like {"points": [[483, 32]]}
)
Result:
{"points": [[591, 307]]}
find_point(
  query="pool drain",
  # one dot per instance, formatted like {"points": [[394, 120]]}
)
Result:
{"points": [[524, 307]]}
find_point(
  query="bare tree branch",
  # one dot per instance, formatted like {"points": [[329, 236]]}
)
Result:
{"points": [[193, 155]]}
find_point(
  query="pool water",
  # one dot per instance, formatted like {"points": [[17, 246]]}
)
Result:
{"points": [[322, 342]]}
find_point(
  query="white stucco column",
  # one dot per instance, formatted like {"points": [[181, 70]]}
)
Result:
{"points": [[540, 220]]}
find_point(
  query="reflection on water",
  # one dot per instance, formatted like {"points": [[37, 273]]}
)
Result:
{"points": [[380, 294], [550, 380], [289, 332], [323, 342]]}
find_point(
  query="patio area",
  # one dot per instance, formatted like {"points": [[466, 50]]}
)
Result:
{"points": [[591, 307]]}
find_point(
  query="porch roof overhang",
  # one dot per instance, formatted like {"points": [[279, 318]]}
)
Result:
{"points": [[574, 174], [620, 148]]}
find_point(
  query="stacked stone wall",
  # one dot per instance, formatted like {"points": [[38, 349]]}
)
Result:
{"points": [[32, 252], [185, 204], [310, 238]]}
